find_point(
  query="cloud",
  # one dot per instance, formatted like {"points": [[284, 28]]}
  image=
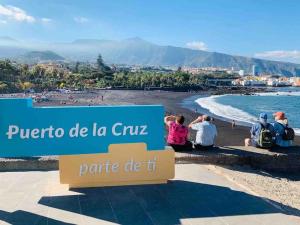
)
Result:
{"points": [[197, 45], [46, 20], [15, 13], [279, 54], [81, 19]]}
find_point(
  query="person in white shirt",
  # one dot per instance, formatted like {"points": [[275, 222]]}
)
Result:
{"points": [[206, 132]]}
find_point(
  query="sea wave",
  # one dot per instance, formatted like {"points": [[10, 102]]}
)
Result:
{"points": [[229, 113], [225, 111]]}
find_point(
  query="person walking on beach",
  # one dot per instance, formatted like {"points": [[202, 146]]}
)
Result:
{"points": [[206, 132], [284, 135], [233, 124], [177, 133], [262, 133]]}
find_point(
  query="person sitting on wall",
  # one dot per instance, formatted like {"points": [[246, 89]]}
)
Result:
{"points": [[284, 135], [262, 133], [206, 132], [178, 133]]}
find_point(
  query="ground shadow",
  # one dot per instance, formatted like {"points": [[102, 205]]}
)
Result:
{"points": [[279, 162], [265, 173], [160, 204], [23, 158], [288, 151], [223, 150], [21, 217]]}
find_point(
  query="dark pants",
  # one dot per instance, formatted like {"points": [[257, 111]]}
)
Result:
{"points": [[201, 147], [188, 146]]}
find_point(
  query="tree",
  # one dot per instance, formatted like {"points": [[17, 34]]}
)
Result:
{"points": [[26, 85], [104, 70], [76, 70], [24, 71], [100, 63], [3, 87]]}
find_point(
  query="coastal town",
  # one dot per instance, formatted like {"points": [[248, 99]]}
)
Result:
{"points": [[253, 78]]}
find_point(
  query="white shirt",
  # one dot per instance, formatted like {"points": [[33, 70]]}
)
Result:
{"points": [[206, 133]]}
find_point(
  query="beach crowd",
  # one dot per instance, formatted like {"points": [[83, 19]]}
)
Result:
{"points": [[262, 133]]}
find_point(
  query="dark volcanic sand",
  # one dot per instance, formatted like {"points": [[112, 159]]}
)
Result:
{"points": [[173, 105]]}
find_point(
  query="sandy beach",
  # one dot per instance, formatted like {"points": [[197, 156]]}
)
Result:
{"points": [[174, 103]]}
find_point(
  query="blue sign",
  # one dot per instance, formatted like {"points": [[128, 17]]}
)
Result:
{"points": [[35, 131]]}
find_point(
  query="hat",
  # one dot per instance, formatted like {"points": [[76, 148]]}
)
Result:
{"points": [[263, 116], [279, 115]]}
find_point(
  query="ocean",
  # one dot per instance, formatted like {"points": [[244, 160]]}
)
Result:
{"points": [[245, 108]]}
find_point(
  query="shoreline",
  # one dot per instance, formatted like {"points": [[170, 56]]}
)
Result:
{"points": [[209, 105], [174, 104], [191, 103]]}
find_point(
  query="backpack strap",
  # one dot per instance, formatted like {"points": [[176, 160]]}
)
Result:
{"points": [[265, 127]]}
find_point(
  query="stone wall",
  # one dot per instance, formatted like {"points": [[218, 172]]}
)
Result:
{"points": [[277, 160]]}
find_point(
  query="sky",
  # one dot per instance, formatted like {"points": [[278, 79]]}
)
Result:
{"points": [[267, 29]]}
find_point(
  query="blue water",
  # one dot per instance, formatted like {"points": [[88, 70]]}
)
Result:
{"points": [[246, 108]]}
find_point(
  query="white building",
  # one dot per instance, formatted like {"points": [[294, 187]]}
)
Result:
{"points": [[254, 70], [242, 73]]}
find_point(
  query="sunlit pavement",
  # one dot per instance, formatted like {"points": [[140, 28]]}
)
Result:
{"points": [[196, 196]]}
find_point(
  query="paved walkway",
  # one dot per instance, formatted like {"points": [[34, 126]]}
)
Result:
{"points": [[196, 196]]}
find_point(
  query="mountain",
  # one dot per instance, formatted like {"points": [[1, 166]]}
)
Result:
{"points": [[7, 39], [39, 56], [136, 51], [10, 47]]}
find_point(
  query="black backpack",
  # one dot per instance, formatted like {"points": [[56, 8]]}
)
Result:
{"points": [[265, 139], [288, 134]]}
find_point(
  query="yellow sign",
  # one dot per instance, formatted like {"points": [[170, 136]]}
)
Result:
{"points": [[124, 164]]}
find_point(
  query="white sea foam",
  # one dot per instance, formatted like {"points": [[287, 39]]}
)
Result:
{"points": [[230, 113], [297, 131], [225, 111]]}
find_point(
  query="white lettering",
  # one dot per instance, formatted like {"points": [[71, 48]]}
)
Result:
{"points": [[137, 166], [114, 132], [12, 130], [24, 133], [152, 164], [132, 166], [144, 130], [35, 133], [107, 167], [51, 132], [59, 132], [83, 132], [94, 129], [74, 131], [129, 166], [93, 169], [44, 132], [118, 129], [115, 167], [83, 169], [101, 131]]}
